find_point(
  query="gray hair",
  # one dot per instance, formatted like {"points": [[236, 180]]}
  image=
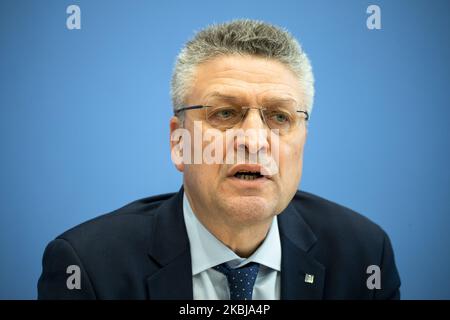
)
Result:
{"points": [[243, 37]]}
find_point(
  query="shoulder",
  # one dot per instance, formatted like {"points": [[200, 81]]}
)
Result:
{"points": [[333, 221], [110, 252], [346, 244], [125, 225]]}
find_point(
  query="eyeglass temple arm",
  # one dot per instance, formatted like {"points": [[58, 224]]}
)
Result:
{"points": [[306, 114], [188, 108]]}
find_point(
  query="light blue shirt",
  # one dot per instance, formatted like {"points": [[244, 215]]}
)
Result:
{"points": [[207, 251]]}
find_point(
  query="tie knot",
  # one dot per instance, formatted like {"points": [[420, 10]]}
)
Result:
{"points": [[240, 280]]}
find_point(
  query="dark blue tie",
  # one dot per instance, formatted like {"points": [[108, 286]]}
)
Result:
{"points": [[241, 280]]}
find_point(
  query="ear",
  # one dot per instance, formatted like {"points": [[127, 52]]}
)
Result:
{"points": [[176, 143]]}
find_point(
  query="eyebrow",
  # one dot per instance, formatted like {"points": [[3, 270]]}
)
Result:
{"points": [[234, 99], [225, 97]]}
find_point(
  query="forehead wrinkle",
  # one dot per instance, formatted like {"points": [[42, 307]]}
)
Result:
{"points": [[240, 94], [247, 66], [249, 76], [263, 80]]}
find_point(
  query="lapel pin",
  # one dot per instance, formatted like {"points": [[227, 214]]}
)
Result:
{"points": [[309, 278]]}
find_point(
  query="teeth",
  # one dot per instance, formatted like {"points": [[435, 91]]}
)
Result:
{"points": [[244, 176]]}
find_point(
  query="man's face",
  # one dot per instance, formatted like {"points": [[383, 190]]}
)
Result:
{"points": [[214, 190]]}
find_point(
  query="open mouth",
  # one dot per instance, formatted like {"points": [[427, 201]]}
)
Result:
{"points": [[248, 175]]}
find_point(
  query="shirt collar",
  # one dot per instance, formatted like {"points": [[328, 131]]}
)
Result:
{"points": [[207, 251]]}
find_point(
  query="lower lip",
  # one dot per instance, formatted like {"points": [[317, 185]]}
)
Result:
{"points": [[255, 183]]}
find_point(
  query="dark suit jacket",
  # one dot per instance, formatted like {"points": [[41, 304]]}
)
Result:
{"points": [[141, 251]]}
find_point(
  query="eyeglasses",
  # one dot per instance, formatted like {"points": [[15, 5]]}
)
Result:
{"points": [[284, 118]]}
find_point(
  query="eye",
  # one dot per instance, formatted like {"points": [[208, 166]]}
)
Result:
{"points": [[223, 113], [280, 117]]}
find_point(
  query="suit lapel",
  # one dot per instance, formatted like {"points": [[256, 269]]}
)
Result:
{"points": [[169, 248], [302, 277]]}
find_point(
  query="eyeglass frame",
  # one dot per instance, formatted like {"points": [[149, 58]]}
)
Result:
{"points": [[247, 108]]}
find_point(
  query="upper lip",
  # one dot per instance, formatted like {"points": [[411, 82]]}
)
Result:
{"points": [[245, 168]]}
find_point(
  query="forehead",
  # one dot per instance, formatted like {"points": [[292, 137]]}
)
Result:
{"points": [[250, 79]]}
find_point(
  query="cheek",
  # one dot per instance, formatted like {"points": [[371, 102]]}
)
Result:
{"points": [[202, 174], [291, 159]]}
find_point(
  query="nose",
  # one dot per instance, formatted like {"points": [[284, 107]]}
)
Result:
{"points": [[255, 132]]}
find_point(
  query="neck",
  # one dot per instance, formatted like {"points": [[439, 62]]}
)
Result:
{"points": [[242, 242], [243, 239]]}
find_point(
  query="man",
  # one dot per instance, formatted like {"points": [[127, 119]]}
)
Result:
{"points": [[238, 228]]}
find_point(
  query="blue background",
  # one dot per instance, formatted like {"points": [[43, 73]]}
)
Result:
{"points": [[84, 119]]}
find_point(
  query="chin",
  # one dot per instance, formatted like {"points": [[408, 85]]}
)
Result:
{"points": [[250, 209]]}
